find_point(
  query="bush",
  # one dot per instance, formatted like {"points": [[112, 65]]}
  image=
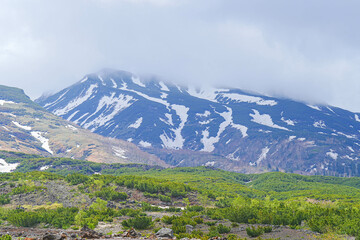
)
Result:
{"points": [[199, 220], [76, 178], [223, 229], [111, 195], [138, 222], [4, 199], [195, 208], [254, 232], [164, 198], [5, 237], [24, 219]]}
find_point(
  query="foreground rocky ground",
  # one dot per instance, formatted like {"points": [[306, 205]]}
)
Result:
{"points": [[279, 232]]}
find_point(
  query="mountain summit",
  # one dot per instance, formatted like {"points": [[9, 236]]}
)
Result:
{"points": [[225, 128]]}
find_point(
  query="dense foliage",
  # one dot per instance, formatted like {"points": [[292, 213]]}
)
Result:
{"points": [[322, 204]]}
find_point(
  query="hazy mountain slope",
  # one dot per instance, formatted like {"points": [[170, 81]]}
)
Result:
{"points": [[226, 128], [27, 127]]}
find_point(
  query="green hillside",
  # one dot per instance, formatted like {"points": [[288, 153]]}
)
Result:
{"points": [[327, 205]]}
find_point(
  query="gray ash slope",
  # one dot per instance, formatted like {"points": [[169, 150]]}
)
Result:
{"points": [[225, 128]]}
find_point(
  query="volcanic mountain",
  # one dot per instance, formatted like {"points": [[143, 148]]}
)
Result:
{"points": [[226, 128]]}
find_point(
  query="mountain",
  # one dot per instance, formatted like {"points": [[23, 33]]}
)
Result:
{"points": [[27, 127], [225, 128]]}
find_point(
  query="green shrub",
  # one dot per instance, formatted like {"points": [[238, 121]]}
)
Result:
{"points": [[199, 220], [4, 199], [110, 194], [254, 232], [164, 198], [76, 178], [138, 222], [223, 229], [24, 219], [267, 229], [5, 237], [195, 208]]}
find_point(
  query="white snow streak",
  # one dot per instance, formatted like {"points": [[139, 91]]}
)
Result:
{"points": [[8, 102], [136, 124], [113, 105], [314, 107], [209, 142], [84, 79], [288, 121], [265, 119], [144, 144], [119, 152], [332, 154], [320, 124], [43, 140], [102, 80], [114, 83], [248, 99], [137, 81], [205, 114], [21, 126], [291, 138], [124, 87], [6, 167], [178, 141], [71, 127], [357, 118], [164, 95], [351, 149], [263, 155], [76, 102], [57, 100], [164, 87]]}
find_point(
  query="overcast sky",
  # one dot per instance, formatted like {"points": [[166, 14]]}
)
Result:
{"points": [[307, 50]]}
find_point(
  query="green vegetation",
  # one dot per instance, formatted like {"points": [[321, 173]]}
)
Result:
{"points": [[322, 204]]}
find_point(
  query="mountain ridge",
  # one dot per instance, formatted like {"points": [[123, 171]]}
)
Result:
{"points": [[27, 127], [227, 128]]}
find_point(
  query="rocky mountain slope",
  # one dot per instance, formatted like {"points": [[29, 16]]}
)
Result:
{"points": [[27, 127], [221, 127]]}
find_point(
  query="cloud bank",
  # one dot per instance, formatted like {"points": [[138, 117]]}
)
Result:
{"points": [[306, 50]]}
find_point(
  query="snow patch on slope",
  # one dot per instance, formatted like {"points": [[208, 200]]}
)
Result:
{"points": [[313, 107], [178, 141], [113, 105], [144, 144], [265, 119], [320, 124], [21, 126], [161, 101], [57, 100], [71, 127], [119, 152], [2, 102], [76, 102], [114, 83], [137, 81], [6, 167], [43, 140], [357, 118], [248, 99], [209, 142], [163, 87], [288, 121], [332, 154], [263, 155], [205, 114], [136, 124]]}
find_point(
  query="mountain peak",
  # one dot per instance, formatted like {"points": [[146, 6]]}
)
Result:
{"points": [[223, 127]]}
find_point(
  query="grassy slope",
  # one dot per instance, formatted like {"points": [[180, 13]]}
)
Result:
{"points": [[217, 182]]}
